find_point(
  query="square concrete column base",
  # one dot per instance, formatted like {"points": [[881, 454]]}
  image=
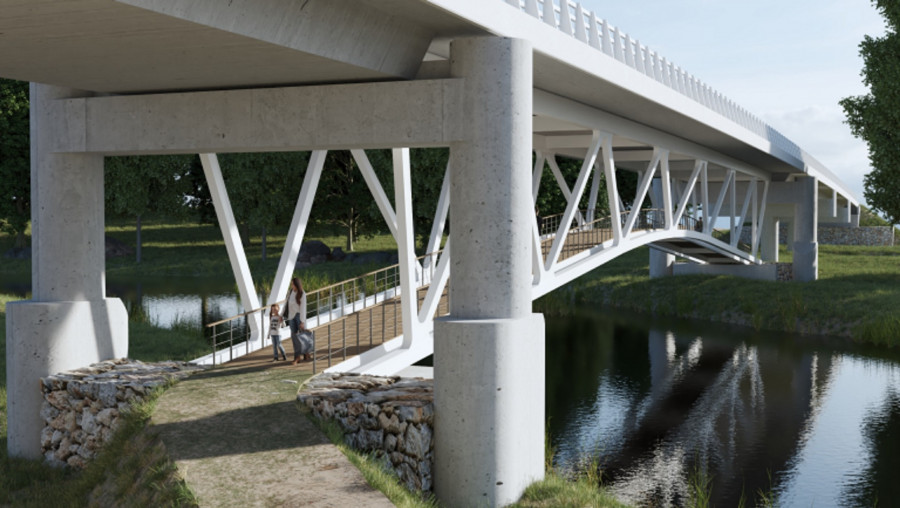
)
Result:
{"points": [[489, 409], [44, 338]]}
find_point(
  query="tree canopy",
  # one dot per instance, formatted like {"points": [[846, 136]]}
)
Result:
{"points": [[15, 172], [139, 185], [875, 117]]}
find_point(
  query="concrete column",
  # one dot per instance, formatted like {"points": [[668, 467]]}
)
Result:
{"points": [[854, 216], [489, 353], [660, 263], [68, 323], [806, 247], [768, 243]]}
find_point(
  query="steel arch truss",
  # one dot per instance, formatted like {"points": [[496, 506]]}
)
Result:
{"points": [[684, 205]]}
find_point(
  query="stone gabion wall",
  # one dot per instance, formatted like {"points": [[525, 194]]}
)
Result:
{"points": [[390, 416], [82, 407], [784, 271], [870, 235], [835, 235]]}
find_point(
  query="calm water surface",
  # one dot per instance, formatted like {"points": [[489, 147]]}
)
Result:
{"points": [[164, 302], [811, 422]]}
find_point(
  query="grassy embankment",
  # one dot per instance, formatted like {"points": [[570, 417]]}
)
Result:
{"points": [[856, 296]]}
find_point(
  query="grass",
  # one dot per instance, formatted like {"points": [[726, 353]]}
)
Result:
{"points": [[198, 250], [555, 490], [856, 295], [375, 470]]}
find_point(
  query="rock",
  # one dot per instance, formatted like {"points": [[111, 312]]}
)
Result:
{"points": [[416, 442], [116, 248], [390, 443], [77, 462], [48, 412], [389, 424], [18, 253], [409, 477], [46, 438], [311, 249], [107, 416], [338, 254]]}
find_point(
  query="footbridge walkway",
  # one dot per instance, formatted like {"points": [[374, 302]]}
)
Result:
{"points": [[508, 86]]}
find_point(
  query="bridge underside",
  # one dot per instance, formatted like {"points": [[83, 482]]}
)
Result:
{"points": [[196, 76]]}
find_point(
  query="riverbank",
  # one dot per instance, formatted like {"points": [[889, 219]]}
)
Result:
{"points": [[191, 250], [856, 296]]}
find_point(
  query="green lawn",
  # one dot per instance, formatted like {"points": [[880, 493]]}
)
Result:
{"points": [[856, 296], [198, 250]]}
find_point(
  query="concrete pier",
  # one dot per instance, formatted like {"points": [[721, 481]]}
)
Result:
{"points": [[69, 322], [489, 353]]}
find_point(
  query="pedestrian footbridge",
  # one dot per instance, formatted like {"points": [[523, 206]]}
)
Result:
{"points": [[509, 86]]}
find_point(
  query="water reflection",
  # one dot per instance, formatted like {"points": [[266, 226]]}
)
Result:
{"points": [[164, 302], [658, 405]]}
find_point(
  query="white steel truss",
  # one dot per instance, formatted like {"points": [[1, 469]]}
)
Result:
{"points": [[683, 220]]}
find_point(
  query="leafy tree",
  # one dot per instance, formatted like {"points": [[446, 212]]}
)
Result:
{"points": [[141, 185], [344, 201], [263, 188], [875, 117], [198, 200], [15, 172]]}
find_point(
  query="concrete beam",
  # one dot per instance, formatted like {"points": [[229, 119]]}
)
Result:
{"points": [[351, 31], [371, 115]]}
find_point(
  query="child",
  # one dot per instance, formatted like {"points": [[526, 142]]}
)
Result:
{"points": [[275, 323]]}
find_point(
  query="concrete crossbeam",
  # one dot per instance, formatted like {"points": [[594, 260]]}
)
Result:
{"points": [[372, 115]]}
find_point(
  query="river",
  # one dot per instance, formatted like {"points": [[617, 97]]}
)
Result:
{"points": [[661, 404]]}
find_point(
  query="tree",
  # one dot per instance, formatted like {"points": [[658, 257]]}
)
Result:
{"points": [[263, 188], [875, 117], [141, 185], [15, 172], [344, 201]]}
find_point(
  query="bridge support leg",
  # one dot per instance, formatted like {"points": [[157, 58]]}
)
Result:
{"points": [[489, 353], [806, 247], [69, 322], [769, 240], [660, 263]]}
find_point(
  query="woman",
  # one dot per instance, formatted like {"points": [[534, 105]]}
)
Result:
{"points": [[296, 314]]}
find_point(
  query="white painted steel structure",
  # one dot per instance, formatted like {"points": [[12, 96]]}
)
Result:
{"points": [[494, 80]]}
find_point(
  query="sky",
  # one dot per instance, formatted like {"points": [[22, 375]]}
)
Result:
{"points": [[788, 62]]}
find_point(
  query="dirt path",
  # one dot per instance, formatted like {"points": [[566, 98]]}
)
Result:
{"points": [[239, 440]]}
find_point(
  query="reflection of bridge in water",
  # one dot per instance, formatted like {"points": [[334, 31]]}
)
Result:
{"points": [[732, 413]]}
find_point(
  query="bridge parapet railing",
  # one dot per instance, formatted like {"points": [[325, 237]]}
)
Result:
{"points": [[575, 21], [325, 309], [587, 235]]}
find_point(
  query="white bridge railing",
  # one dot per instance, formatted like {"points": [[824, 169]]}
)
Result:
{"points": [[574, 20]]}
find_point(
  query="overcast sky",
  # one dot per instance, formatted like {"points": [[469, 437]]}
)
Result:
{"points": [[787, 61]]}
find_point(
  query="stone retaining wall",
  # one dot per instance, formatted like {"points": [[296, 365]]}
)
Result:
{"points": [[390, 416], [839, 235], [82, 407]]}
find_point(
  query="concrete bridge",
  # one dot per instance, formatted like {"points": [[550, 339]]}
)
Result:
{"points": [[506, 85]]}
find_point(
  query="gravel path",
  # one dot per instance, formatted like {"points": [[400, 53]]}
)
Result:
{"points": [[239, 439]]}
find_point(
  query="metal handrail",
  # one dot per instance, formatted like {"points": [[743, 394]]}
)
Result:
{"points": [[328, 304]]}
